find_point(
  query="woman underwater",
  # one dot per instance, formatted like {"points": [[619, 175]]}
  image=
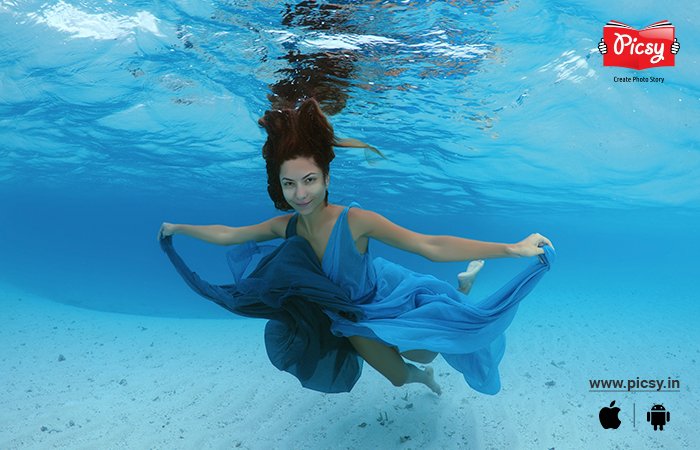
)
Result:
{"points": [[375, 309]]}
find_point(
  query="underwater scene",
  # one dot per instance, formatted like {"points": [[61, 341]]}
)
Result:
{"points": [[496, 120]]}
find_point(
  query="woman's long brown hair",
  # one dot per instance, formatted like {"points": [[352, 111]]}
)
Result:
{"points": [[300, 132]]}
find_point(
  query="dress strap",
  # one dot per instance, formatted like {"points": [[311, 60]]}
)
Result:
{"points": [[355, 204], [342, 226], [291, 227]]}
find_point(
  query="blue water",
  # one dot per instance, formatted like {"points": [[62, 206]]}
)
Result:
{"points": [[498, 119]]}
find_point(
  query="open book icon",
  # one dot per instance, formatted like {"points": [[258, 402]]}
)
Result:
{"points": [[639, 49]]}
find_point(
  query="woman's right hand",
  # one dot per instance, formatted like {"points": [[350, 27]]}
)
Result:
{"points": [[167, 229], [531, 246]]}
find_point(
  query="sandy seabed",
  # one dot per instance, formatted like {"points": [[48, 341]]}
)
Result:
{"points": [[80, 379]]}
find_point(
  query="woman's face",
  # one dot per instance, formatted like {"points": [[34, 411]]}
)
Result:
{"points": [[303, 185]]}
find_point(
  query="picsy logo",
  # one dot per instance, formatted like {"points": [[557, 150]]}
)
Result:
{"points": [[652, 46]]}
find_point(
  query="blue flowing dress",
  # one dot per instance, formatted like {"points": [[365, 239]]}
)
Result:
{"points": [[313, 307]]}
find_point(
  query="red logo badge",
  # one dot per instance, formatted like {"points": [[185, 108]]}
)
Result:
{"points": [[652, 46]]}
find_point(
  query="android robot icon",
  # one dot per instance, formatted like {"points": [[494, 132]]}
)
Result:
{"points": [[658, 416]]}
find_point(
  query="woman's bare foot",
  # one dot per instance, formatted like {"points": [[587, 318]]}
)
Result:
{"points": [[466, 279], [426, 377], [431, 383]]}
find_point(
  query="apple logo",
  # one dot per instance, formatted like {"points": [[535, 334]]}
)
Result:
{"points": [[608, 417]]}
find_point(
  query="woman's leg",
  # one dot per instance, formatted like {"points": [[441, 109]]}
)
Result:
{"points": [[419, 356], [388, 362]]}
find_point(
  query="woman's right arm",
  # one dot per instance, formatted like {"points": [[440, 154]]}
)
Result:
{"points": [[223, 235]]}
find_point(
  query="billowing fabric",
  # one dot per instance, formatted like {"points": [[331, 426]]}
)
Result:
{"points": [[288, 288], [377, 299]]}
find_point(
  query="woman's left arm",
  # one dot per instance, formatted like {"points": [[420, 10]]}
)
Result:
{"points": [[442, 248]]}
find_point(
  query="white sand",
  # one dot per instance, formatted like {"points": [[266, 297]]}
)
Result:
{"points": [[133, 382]]}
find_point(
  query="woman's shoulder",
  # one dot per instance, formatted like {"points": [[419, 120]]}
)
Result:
{"points": [[279, 224], [362, 221], [356, 212]]}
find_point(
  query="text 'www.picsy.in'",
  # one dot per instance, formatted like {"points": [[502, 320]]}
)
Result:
{"points": [[635, 385]]}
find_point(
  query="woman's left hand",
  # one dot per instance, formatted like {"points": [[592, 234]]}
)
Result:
{"points": [[531, 246]]}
